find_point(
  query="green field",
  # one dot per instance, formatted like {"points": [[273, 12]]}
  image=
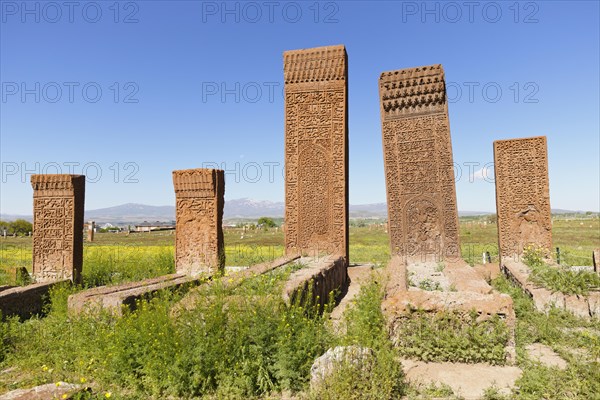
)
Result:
{"points": [[246, 343], [146, 254]]}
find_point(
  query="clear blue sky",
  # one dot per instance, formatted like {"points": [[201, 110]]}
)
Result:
{"points": [[175, 58]]}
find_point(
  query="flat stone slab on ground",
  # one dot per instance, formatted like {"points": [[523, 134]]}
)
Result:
{"points": [[581, 306], [489, 271], [114, 297], [486, 304], [545, 355], [25, 301], [465, 278], [44, 392], [428, 273], [467, 380]]}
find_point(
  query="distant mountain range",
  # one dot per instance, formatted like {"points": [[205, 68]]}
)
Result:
{"points": [[132, 213]]}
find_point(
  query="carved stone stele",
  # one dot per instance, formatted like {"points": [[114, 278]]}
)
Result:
{"points": [[522, 195], [316, 151], [58, 206], [419, 171], [199, 244]]}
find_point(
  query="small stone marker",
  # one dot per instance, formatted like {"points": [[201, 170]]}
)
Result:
{"points": [[199, 246], [91, 230]]}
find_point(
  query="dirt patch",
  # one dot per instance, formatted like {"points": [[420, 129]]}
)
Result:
{"points": [[467, 380], [545, 355]]}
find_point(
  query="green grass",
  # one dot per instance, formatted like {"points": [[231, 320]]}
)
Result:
{"points": [[451, 336], [241, 343], [575, 339], [558, 278], [377, 377], [246, 342]]}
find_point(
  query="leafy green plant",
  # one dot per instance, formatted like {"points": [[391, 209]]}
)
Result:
{"points": [[451, 336], [382, 376], [558, 278], [241, 342], [562, 331], [429, 285]]}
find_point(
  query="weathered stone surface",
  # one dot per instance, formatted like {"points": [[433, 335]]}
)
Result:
{"points": [[522, 195], [316, 151], [199, 246], [59, 390], [118, 297], [58, 204], [489, 271], [362, 358], [25, 301], [486, 304], [469, 381], [312, 284], [545, 355], [581, 306], [465, 278], [397, 280], [596, 260], [421, 198]]}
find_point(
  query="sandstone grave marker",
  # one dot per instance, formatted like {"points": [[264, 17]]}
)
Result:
{"points": [[199, 246], [316, 151], [421, 198], [58, 206], [522, 195]]}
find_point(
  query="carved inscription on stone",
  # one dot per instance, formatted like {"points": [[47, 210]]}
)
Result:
{"points": [[58, 205], [522, 194], [199, 243], [316, 156], [421, 197]]}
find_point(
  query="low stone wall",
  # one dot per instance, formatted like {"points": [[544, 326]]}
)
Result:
{"points": [[313, 284], [581, 306], [58, 390], [116, 298], [25, 301], [400, 305]]}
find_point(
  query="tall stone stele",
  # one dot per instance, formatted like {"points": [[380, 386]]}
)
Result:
{"points": [[522, 195], [58, 206], [419, 172], [316, 151], [199, 246]]}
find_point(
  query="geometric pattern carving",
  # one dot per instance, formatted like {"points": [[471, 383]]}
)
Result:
{"points": [[58, 206], [199, 246], [316, 151], [419, 169], [522, 194]]}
